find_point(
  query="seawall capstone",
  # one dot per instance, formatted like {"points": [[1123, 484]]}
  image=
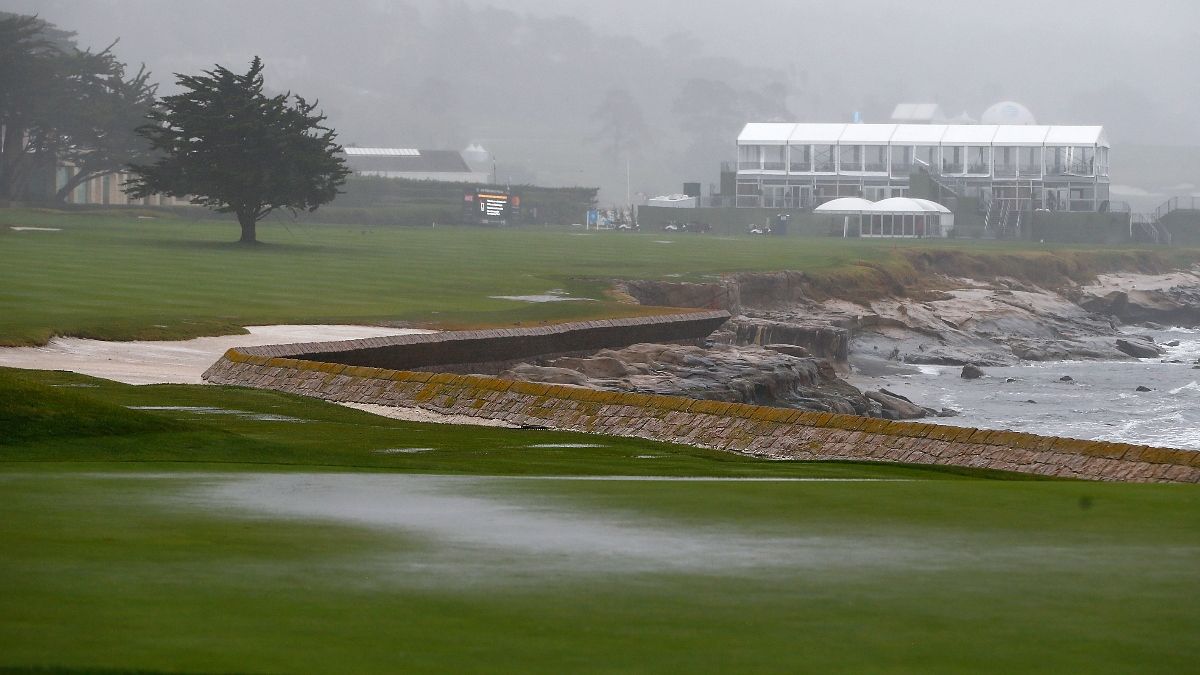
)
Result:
{"points": [[777, 433], [490, 350]]}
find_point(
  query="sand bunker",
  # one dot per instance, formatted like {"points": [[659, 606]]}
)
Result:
{"points": [[174, 362]]}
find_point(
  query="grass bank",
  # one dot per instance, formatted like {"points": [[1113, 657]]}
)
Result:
{"points": [[116, 276], [298, 536]]}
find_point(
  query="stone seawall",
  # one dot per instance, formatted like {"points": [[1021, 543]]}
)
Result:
{"points": [[754, 430], [492, 350]]}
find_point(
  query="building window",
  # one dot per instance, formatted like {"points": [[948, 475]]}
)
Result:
{"points": [[926, 156], [851, 158], [748, 158], [1029, 161], [979, 160], [902, 160], [773, 157], [952, 159], [1006, 162], [824, 158], [875, 158], [1083, 198], [1056, 161], [1081, 161], [800, 158]]}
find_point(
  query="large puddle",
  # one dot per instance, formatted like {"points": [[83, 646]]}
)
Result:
{"points": [[499, 528]]}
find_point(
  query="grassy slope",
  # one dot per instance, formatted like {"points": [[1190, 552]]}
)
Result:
{"points": [[332, 437], [110, 276], [118, 570]]}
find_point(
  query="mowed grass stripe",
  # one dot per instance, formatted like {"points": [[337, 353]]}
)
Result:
{"points": [[118, 277]]}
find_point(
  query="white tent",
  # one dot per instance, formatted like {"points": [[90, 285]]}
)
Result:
{"points": [[892, 217], [846, 205]]}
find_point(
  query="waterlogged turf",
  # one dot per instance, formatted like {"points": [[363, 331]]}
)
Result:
{"points": [[291, 535], [318, 572]]}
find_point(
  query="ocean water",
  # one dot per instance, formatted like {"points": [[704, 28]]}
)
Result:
{"points": [[1100, 403]]}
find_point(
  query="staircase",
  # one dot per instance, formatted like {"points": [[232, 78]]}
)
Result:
{"points": [[1148, 228], [1003, 219]]}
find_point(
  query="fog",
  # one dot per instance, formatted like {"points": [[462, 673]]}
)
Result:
{"points": [[641, 95]]}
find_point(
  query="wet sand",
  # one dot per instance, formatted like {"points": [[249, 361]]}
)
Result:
{"points": [[175, 361]]}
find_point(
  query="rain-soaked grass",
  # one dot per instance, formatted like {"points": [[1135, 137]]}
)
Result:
{"points": [[114, 276], [243, 543]]}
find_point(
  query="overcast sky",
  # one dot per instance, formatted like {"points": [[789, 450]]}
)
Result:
{"points": [[1127, 65]]}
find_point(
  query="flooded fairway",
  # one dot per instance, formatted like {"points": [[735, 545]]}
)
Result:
{"points": [[376, 572], [512, 526]]}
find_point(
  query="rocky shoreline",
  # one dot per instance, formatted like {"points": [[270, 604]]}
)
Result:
{"points": [[785, 347]]}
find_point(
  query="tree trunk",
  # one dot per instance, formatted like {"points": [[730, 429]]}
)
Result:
{"points": [[247, 221], [72, 183]]}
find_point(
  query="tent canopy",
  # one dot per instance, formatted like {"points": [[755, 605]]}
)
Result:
{"points": [[787, 133]]}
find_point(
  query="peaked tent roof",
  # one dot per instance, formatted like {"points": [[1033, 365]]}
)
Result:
{"points": [[780, 133]]}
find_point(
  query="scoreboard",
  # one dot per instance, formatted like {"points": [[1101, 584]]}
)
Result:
{"points": [[490, 206]]}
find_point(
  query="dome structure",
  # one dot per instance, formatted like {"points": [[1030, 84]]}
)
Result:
{"points": [[1007, 112], [906, 205], [846, 205]]}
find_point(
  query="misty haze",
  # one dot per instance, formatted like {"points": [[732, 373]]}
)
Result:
{"points": [[599, 336], [527, 80]]}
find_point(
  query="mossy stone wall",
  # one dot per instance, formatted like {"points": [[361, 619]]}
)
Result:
{"points": [[761, 431]]}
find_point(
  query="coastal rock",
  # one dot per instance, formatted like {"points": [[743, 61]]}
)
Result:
{"points": [[1142, 387], [1138, 349], [790, 350], [970, 372], [746, 374], [532, 373], [1173, 306], [899, 408], [820, 339]]}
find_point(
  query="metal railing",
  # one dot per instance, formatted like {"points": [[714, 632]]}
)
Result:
{"points": [[1176, 204]]}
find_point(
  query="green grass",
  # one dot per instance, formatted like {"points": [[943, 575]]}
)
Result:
{"points": [[113, 560], [112, 276], [331, 437], [123, 550]]}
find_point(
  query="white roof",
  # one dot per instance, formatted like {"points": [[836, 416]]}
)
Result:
{"points": [[919, 134], [382, 152], [931, 205], [878, 134], [846, 205], [1076, 136], [766, 133], [911, 112], [1021, 134], [969, 134], [818, 133], [907, 205], [780, 133]]}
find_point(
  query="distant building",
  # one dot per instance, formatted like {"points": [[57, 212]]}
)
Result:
{"points": [[413, 164], [109, 190], [1021, 167], [918, 113]]}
